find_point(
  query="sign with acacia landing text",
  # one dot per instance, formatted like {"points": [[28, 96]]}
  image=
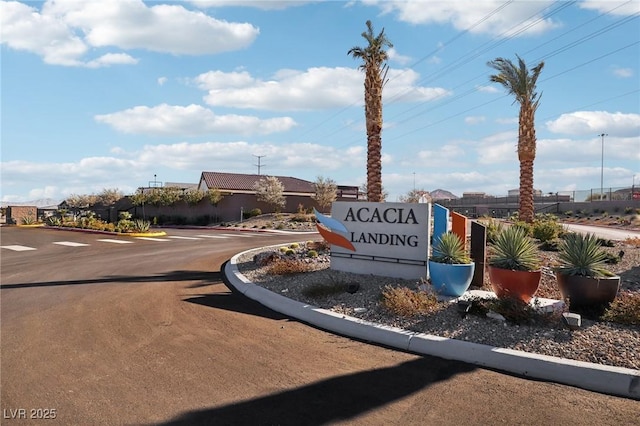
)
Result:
{"points": [[386, 239]]}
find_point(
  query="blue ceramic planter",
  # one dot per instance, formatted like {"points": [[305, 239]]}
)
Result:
{"points": [[451, 280]]}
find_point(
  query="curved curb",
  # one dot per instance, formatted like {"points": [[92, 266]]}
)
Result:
{"points": [[606, 379]]}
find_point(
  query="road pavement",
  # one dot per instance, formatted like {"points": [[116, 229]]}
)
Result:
{"points": [[145, 332]]}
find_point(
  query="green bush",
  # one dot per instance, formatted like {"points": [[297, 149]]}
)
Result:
{"points": [[546, 229]]}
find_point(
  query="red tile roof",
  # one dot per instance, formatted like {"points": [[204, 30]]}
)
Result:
{"points": [[242, 182]]}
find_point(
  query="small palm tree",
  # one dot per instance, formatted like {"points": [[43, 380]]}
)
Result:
{"points": [[373, 58], [521, 82]]}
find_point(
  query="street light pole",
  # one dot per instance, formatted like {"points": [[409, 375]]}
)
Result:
{"points": [[602, 135]]}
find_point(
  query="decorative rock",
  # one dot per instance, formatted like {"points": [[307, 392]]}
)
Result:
{"points": [[495, 316], [571, 320]]}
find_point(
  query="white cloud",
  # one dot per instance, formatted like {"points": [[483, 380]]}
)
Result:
{"points": [[112, 59], [395, 56], [63, 31], [289, 90], [487, 89], [619, 8], [596, 122], [129, 169], [192, 120], [474, 119], [517, 18], [622, 72], [162, 81], [258, 4]]}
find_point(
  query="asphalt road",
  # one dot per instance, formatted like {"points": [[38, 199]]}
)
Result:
{"points": [[146, 332], [603, 232]]}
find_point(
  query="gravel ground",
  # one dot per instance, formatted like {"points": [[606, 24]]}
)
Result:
{"points": [[596, 342]]}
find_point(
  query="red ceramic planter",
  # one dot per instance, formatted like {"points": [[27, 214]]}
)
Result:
{"points": [[517, 284]]}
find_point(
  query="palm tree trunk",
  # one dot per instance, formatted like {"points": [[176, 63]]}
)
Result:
{"points": [[526, 155], [373, 116]]}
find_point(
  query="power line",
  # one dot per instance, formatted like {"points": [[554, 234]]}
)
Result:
{"points": [[259, 157]]}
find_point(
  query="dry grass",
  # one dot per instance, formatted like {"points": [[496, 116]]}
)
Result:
{"points": [[406, 302]]}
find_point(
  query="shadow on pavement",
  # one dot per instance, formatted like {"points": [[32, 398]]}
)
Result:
{"points": [[332, 400], [237, 303], [205, 278]]}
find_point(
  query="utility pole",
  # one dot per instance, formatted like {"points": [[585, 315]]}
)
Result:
{"points": [[602, 135], [258, 165]]}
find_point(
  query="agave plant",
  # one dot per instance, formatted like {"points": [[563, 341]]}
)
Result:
{"points": [[448, 248], [581, 254], [513, 249], [140, 225]]}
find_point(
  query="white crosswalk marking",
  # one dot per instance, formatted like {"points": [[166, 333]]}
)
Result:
{"points": [[70, 244], [179, 237], [152, 239], [17, 248], [107, 240], [212, 236]]}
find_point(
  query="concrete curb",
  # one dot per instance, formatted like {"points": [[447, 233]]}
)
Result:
{"points": [[617, 381]]}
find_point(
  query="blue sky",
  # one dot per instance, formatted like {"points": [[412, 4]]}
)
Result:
{"points": [[109, 94]]}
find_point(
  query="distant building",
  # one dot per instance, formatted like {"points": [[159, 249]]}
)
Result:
{"points": [[516, 192]]}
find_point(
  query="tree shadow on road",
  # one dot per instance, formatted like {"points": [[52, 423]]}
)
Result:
{"points": [[203, 277], [333, 400]]}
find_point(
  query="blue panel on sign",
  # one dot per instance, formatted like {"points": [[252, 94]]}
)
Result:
{"points": [[440, 221]]}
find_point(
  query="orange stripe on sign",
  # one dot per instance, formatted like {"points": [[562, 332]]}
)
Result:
{"points": [[335, 239]]}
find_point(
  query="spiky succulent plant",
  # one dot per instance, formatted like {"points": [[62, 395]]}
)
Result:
{"points": [[514, 249], [449, 248], [581, 254]]}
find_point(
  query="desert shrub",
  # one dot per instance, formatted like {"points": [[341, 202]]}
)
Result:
{"points": [[628, 210], [546, 229], [109, 227], [407, 303], [28, 220], [635, 242], [606, 243], [512, 309], [550, 245], [493, 228], [288, 266], [289, 252], [318, 291], [54, 221], [527, 227], [140, 225], [312, 253], [319, 246], [294, 245], [283, 249], [568, 213], [625, 309]]}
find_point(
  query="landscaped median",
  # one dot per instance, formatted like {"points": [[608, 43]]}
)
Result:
{"points": [[96, 231], [618, 381]]}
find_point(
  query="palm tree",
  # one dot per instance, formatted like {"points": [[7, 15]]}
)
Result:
{"points": [[521, 82], [373, 63]]}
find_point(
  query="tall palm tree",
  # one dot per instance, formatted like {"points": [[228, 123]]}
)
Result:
{"points": [[373, 58], [521, 82]]}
